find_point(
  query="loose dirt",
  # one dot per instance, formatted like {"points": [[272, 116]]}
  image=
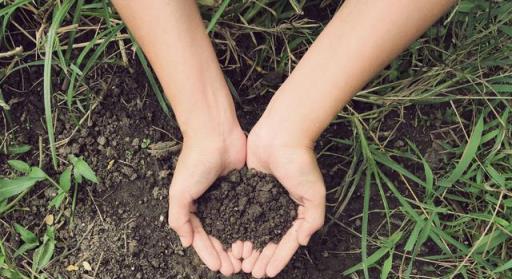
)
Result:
{"points": [[247, 205], [119, 225]]}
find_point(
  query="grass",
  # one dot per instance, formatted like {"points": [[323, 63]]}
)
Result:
{"points": [[454, 82]]}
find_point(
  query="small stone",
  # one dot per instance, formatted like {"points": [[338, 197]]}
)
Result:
{"points": [[71, 268], [133, 247], [49, 219], [399, 143], [87, 266], [133, 177], [358, 222], [135, 142], [234, 177], [154, 262], [163, 174], [101, 140]]}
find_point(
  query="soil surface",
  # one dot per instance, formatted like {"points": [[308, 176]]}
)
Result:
{"points": [[246, 205], [119, 226]]}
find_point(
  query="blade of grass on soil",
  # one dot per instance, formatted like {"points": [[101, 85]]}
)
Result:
{"points": [[468, 155], [217, 15], [47, 74]]}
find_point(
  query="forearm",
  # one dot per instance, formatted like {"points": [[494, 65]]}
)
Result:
{"points": [[174, 39], [361, 39]]}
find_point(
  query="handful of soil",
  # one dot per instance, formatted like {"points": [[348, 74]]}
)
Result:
{"points": [[246, 205]]}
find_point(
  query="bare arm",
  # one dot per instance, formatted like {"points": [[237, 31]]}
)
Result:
{"points": [[361, 39], [174, 39]]}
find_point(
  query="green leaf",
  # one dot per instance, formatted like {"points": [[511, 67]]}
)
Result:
{"points": [[386, 267], [51, 41], [468, 155], [217, 15], [364, 227], [24, 248], [18, 149], [11, 187], [57, 200], [26, 235], [65, 179], [19, 166], [377, 255], [506, 29], [29, 239], [505, 266], [37, 173], [84, 170], [151, 79], [414, 236], [73, 159], [44, 253], [77, 176]]}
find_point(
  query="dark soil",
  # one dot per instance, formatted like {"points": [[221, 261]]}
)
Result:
{"points": [[246, 205], [119, 225]]}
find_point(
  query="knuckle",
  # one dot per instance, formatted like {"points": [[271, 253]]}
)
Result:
{"points": [[317, 223]]}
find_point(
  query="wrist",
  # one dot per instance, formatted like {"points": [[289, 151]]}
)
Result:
{"points": [[269, 136], [217, 131], [278, 128], [204, 109]]}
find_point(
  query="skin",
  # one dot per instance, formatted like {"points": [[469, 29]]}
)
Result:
{"points": [[183, 58], [361, 39]]}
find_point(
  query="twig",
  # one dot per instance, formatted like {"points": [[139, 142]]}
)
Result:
{"points": [[14, 52]]}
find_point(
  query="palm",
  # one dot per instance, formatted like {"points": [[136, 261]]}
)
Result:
{"points": [[199, 164], [297, 170]]}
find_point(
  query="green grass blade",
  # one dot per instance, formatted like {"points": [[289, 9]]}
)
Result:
{"points": [[505, 266], [217, 15], [47, 74], [152, 80], [468, 155], [364, 227]]}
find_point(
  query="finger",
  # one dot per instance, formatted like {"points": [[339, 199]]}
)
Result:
{"points": [[237, 249], [179, 217], [314, 213], [284, 251], [260, 267], [300, 212], [226, 267], [248, 264], [247, 250], [204, 247], [237, 264]]}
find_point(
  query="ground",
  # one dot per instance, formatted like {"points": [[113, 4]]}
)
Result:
{"points": [[119, 225], [417, 167]]}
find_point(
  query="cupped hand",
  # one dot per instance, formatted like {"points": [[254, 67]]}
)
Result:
{"points": [[296, 168], [201, 161]]}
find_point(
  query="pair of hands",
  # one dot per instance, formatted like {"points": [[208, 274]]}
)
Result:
{"points": [[203, 160]]}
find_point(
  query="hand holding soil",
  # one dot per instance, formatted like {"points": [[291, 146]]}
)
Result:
{"points": [[297, 169], [281, 143], [199, 164]]}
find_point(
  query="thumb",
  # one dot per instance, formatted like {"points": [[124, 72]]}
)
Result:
{"points": [[179, 218], [313, 218]]}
